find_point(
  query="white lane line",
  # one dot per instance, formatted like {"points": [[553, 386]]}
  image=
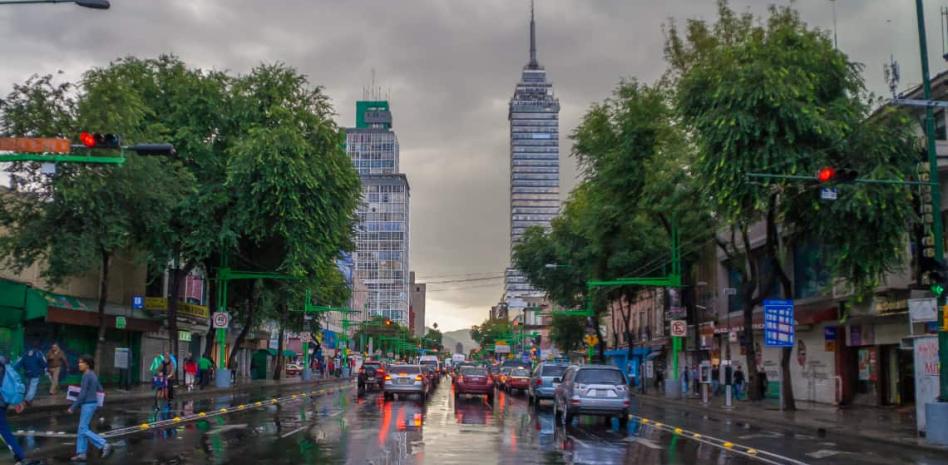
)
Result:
{"points": [[297, 430]]}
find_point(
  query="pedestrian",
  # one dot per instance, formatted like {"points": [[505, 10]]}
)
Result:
{"points": [[204, 371], [685, 373], [33, 365], [56, 363], [738, 382], [660, 379], [167, 373], [762, 381], [332, 367], [12, 399], [87, 402], [190, 372]]}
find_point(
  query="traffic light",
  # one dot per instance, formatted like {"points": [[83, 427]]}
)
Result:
{"points": [[94, 140], [934, 274], [828, 174]]}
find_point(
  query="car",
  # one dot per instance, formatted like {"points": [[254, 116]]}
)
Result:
{"points": [[457, 371], [517, 379], [371, 375], [405, 380], [476, 381], [293, 369], [600, 390], [430, 373], [541, 383], [432, 361]]}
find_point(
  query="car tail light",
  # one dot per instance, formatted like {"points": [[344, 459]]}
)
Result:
{"points": [[538, 382], [460, 379], [388, 377], [418, 378], [574, 401], [503, 379], [490, 379], [626, 403]]}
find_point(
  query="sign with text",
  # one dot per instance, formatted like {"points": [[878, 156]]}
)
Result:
{"points": [[121, 358], [778, 323], [923, 310], [35, 144], [679, 328], [927, 376]]}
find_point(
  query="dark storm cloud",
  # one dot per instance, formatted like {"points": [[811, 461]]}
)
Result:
{"points": [[450, 67]]}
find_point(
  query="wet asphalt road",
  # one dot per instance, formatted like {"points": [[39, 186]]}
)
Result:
{"points": [[341, 428]]}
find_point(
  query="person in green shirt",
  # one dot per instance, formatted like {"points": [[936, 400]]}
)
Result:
{"points": [[204, 371]]}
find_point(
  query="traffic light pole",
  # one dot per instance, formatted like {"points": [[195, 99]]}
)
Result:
{"points": [[936, 413]]}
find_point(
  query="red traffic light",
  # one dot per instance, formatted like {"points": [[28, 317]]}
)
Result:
{"points": [[87, 139], [825, 174]]}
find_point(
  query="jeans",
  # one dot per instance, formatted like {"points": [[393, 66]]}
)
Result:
{"points": [[31, 389], [86, 412], [54, 379], [8, 436]]}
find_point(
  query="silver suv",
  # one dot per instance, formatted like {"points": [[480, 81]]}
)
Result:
{"points": [[591, 390], [541, 383], [405, 379]]}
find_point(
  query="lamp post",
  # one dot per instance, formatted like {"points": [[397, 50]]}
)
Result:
{"points": [[94, 4]]}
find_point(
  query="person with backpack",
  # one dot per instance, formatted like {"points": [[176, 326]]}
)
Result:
{"points": [[87, 402], [12, 393], [33, 365]]}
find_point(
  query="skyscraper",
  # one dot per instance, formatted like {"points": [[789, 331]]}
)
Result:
{"points": [[382, 232], [534, 162]]}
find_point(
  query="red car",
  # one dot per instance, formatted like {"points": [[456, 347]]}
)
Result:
{"points": [[476, 381], [519, 378]]}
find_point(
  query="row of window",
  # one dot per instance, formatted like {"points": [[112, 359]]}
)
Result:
{"points": [[524, 150], [384, 188], [547, 183], [549, 201], [521, 115], [535, 190], [538, 210], [383, 226], [374, 197], [548, 168], [381, 236], [517, 177]]}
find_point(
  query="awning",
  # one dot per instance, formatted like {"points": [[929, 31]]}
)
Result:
{"points": [[286, 353], [19, 302]]}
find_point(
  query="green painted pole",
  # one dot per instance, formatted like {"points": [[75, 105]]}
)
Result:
{"points": [[936, 196]]}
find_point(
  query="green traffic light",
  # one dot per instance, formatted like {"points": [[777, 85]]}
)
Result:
{"points": [[937, 289]]}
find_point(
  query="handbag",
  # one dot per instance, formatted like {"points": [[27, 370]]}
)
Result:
{"points": [[72, 393]]}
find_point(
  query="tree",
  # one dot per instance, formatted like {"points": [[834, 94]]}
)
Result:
{"points": [[812, 112], [567, 331], [490, 331], [80, 218]]}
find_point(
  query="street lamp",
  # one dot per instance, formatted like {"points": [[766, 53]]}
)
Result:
{"points": [[94, 4]]}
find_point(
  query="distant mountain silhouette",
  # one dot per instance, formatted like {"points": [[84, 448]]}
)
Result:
{"points": [[451, 338]]}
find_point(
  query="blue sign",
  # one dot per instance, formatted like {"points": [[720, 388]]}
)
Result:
{"points": [[829, 193], [778, 323], [138, 302]]}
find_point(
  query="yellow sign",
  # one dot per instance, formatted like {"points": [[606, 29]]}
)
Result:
{"points": [[944, 318], [591, 339], [160, 304]]}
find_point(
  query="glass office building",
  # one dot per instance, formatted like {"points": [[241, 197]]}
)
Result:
{"points": [[381, 256], [534, 160]]}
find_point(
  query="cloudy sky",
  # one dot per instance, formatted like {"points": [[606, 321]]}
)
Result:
{"points": [[449, 67]]}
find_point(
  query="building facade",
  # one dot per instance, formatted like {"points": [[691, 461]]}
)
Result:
{"points": [[417, 306], [381, 255], [534, 163]]}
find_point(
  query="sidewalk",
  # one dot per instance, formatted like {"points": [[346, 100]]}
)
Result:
{"points": [[46, 402], [889, 425]]}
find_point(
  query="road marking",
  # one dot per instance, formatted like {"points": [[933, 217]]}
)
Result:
{"points": [[823, 453], [297, 430], [647, 443]]}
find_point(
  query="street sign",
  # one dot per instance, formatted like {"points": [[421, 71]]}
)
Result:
{"points": [[121, 358], [679, 328], [779, 328], [922, 310], [35, 144], [184, 336], [120, 322], [138, 302], [829, 193], [730, 291], [221, 320]]}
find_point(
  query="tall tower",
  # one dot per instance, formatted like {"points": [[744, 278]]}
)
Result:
{"points": [[381, 256], [534, 163]]}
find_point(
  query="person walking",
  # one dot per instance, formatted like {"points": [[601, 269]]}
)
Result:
{"points": [[87, 402], [56, 363], [738, 382], [204, 371], [190, 372], [33, 365], [11, 400]]}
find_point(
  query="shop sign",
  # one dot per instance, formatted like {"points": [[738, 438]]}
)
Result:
{"points": [[889, 305], [866, 357], [829, 338], [923, 310], [160, 304], [120, 322], [184, 336], [779, 328], [926, 376]]}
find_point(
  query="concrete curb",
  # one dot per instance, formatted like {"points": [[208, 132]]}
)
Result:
{"points": [[842, 431]]}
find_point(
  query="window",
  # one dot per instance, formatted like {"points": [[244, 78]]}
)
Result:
{"points": [[473, 371], [766, 269], [734, 302], [599, 376], [810, 274], [940, 132], [553, 370]]}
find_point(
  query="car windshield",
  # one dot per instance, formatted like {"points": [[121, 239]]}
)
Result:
{"points": [[553, 370], [373, 365], [520, 372], [429, 362], [407, 369], [599, 376], [473, 371]]}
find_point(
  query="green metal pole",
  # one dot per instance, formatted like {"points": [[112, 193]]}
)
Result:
{"points": [[936, 196]]}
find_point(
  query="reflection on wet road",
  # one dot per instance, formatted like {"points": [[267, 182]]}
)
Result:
{"points": [[341, 428]]}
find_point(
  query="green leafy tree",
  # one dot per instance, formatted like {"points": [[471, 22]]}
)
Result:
{"points": [[775, 96], [490, 331], [567, 331], [77, 220]]}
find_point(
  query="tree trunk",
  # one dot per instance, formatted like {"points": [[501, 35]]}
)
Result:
{"points": [[773, 245], [278, 371], [103, 297], [248, 322], [172, 299], [212, 307]]}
